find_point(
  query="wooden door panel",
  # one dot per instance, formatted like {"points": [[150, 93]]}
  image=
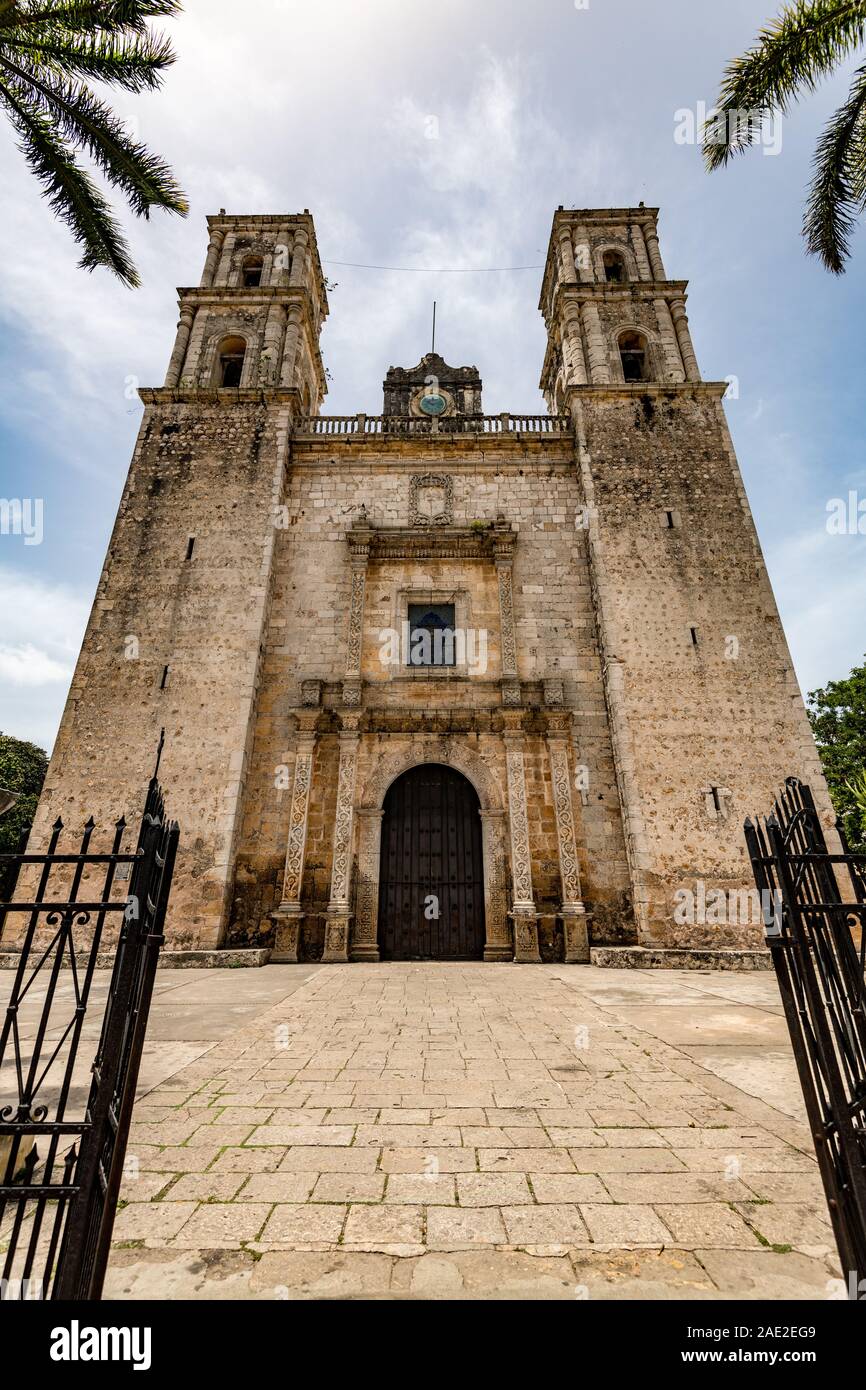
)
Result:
{"points": [[431, 848]]}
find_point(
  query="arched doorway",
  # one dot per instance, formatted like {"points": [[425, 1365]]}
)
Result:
{"points": [[431, 887]]}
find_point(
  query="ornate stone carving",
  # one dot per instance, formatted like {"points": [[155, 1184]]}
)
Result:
{"points": [[356, 620], [521, 870], [506, 613], [337, 931], [523, 910], [450, 751], [311, 693], [297, 841], [561, 779], [431, 500], [554, 694]]}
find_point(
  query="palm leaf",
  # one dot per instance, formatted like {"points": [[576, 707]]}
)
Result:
{"points": [[86, 121], [791, 56], [71, 193], [83, 16], [133, 63], [836, 192]]}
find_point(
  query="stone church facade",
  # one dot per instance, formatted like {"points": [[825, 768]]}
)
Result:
{"points": [[437, 683]]}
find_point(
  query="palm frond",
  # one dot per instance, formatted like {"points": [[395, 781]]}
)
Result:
{"points": [[132, 62], [807, 41], [87, 122], [836, 191], [71, 192], [85, 16]]}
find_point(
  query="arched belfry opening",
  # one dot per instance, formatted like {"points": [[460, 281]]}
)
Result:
{"points": [[431, 884]]}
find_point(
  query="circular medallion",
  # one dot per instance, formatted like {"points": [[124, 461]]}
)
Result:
{"points": [[432, 403]]}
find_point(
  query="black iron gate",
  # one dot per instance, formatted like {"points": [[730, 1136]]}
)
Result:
{"points": [[814, 909], [63, 1136]]}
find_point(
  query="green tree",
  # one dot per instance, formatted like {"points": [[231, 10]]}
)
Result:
{"points": [[805, 44], [50, 50], [838, 717], [22, 769]]}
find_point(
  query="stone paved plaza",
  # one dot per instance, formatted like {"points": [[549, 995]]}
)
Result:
{"points": [[428, 1130]]}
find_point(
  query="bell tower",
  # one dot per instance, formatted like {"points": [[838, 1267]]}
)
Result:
{"points": [[175, 636], [253, 322], [705, 714]]}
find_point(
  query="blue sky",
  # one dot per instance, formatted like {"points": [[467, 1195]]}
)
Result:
{"points": [[329, 107]]}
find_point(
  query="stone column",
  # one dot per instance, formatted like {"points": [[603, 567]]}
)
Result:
{"points": [[360, 539], [282, 257], [274, 329], [567, 271], [583, 256], [523, 913], [289, 915], [651, 237], [572, 348], [573, 911], [684, 338], [214, 250], [300, 257], [194, 367], [498, 944], [670, 346], [339, 907], [181, 343], [290, 348], [640, 252], [364, 944], [503, 552], [599, 361], [224, 260]]}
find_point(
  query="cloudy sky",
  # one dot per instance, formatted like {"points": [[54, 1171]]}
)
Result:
{"points": [[441, 137]]}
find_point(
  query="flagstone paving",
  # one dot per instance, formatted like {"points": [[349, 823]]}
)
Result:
{"points": [[476, 1131]]}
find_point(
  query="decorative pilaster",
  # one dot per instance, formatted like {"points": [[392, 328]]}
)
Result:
{"points": [[184, 328], [339, 913], [359, 539], [364, 943], [498, 944], [289, 915], [523, 913], [673, 361], [573, 910], [684, 338], [503, 554], [599, 363]]}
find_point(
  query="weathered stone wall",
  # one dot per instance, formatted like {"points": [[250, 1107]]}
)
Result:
{"points": [[535, 487], [721, 710], [214, 474]]}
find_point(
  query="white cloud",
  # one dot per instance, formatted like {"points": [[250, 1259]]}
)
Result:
{"points": [[43, 624]]}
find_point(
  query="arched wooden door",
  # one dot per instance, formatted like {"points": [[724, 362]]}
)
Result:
{"points": [[431, 889]]}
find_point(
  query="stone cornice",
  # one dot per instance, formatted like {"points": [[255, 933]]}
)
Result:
{"points": [[434, 542], [225, 396], [637, 389]]}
